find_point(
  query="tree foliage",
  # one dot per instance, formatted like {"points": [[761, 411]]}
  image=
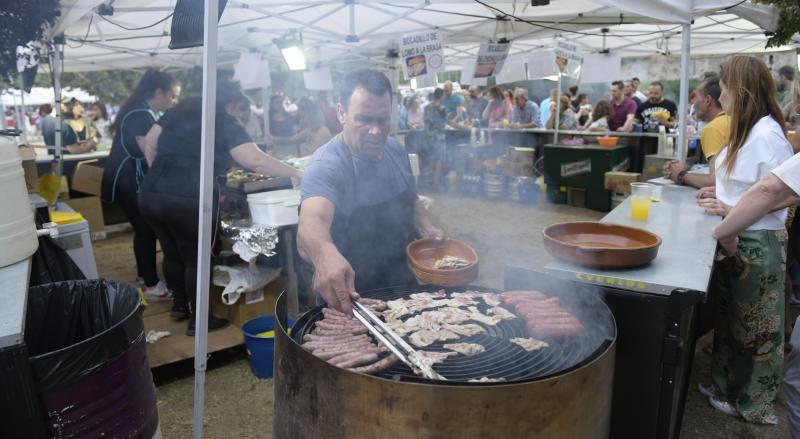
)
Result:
{"points": [[22, 21], [789, 24]]}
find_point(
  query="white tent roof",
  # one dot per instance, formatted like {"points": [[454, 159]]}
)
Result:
{"points": [[361, 32], [41, 95]]}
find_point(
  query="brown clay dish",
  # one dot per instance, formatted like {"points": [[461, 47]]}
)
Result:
{"points": [[423, 253], [601, 245]]}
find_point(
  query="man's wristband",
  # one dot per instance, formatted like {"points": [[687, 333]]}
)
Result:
{"points": [[681, 178]]}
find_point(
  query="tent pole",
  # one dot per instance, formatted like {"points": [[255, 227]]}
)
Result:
{"points": [[23, 116], [558, 111], [205, 216], [686, 40], [57, 95]]}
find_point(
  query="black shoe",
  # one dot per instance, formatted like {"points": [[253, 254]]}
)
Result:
{"points": [[179, 312], [214, 323]]}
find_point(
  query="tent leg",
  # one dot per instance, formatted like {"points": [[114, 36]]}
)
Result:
{"points": [[205, 216], [558, 111], [683, 108], [57, 95], [23, 116]]}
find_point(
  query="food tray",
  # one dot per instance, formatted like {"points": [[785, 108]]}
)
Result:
{"points": [[601, 245]]}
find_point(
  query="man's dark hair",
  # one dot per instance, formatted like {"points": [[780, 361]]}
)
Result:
{"points": [[710, 87], [636, 79], [573, 90], [438, 93], [373, 81], [619, 84], [660, 85], [710, 74], [787, 72]]}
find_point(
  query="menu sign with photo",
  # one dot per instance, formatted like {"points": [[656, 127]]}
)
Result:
{"points": [[568, 59], [422, 53], [491, 57]]}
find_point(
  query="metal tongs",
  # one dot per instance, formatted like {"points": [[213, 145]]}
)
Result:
{"points": [[394, 342]]}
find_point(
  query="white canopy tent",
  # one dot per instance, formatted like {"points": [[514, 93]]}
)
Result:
{"points": [[360, 33], [337, 33], [41, 95]]}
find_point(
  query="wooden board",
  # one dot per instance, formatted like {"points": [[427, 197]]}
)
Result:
{"points": [[179, 346]]}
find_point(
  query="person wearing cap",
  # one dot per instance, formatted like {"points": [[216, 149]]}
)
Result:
{"points": [[359, 205]]}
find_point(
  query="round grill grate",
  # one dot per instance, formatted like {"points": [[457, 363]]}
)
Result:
{"points": [[502, 359]]}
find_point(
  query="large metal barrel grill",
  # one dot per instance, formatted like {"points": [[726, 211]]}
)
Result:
{"points": [[563, 390]]}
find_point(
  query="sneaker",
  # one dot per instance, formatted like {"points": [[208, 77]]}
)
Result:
{"points": [[157, 293], [179, 312], [214, 323], [724, 406], [708, 390]]}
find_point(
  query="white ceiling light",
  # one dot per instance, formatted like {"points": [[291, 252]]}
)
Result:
{"points": [[291, 47]]}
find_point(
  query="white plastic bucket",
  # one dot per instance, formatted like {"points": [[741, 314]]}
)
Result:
{"points": [[274, 208], [17, 228]]}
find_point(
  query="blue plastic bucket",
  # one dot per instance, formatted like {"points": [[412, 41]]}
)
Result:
{"points": [[261, 349]]}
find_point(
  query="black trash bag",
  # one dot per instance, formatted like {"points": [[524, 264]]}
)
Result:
{"points": [[75, 327], [51, 263], [89, 360]]}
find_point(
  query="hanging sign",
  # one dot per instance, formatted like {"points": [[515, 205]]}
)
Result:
{"points": [[318, 78], [467, 69], [491, 57], [568, 59], [422, 53]]}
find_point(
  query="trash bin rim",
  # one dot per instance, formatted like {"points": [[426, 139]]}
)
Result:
{"points": [[103, 333]]}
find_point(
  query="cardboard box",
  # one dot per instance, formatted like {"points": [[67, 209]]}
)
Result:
{"points": [[88, 178], [250, 305], [519, 161], [620, 182], [28, 155], [92, 211]]}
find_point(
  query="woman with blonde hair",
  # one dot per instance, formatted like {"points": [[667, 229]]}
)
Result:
{"points": [[748, 332]]}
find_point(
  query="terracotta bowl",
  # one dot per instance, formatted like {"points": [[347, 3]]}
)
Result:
{"points": [[608, 141], [423, 253], [601, 245]]}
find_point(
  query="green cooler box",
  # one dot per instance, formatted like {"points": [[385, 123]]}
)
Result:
{"points": [[572, 168]]}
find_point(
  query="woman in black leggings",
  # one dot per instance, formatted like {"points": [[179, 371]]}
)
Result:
{"points": [[169, 196], [125, 168]]}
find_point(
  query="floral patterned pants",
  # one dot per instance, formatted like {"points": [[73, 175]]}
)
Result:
{"points": [[748, 331]]}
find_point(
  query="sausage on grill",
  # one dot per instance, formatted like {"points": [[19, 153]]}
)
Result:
{"points": [[378, 366]]}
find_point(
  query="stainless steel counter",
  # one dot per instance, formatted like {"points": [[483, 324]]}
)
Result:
{"points": [[684, 259], [13, 302]]}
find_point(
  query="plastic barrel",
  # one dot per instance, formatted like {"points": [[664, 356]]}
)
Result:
{"points": [[261, 349]]}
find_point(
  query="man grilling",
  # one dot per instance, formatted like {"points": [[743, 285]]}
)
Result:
{"points": [[359, 205]]}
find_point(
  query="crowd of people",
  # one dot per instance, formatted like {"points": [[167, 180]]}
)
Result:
{"points": [[627, 109]]}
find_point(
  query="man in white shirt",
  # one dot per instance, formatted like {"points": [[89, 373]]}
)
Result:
{"points": [[635, 84], [779, 189]]}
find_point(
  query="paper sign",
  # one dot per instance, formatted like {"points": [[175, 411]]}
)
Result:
{"points": [[600, 67], [318, 79], [251, 71], [467, 69], [568, 59], [423, 81], [542, 64], [422, 53], [513, 70], [490, 59]]}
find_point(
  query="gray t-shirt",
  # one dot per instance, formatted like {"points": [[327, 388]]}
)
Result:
{"points": [[333, 173]]}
